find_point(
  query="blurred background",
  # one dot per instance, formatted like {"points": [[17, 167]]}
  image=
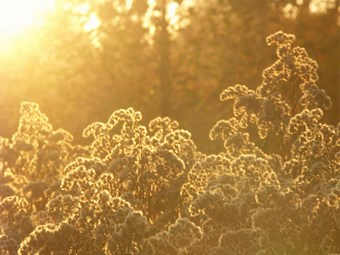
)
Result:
{"points": [[83, 59]]}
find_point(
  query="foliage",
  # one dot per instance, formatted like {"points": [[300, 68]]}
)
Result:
{"points": [[136, 189]]}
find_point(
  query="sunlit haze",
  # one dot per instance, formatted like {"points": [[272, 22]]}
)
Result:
{"points": [[18, 15]]}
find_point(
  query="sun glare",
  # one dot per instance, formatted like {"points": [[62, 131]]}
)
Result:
{"points": [[18, 15]]}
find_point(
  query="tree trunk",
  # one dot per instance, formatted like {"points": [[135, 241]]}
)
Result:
{"points": [[165, 69]]}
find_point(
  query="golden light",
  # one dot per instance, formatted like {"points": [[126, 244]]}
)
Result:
{"points": [[18, 15]]}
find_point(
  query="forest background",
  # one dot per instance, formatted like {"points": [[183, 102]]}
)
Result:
{"points": [[163, 58]]}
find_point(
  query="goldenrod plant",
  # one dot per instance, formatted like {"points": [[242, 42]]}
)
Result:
{"points": [[148, 190]]}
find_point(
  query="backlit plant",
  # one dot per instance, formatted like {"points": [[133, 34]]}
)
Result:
{"points": [[147, 190]]}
